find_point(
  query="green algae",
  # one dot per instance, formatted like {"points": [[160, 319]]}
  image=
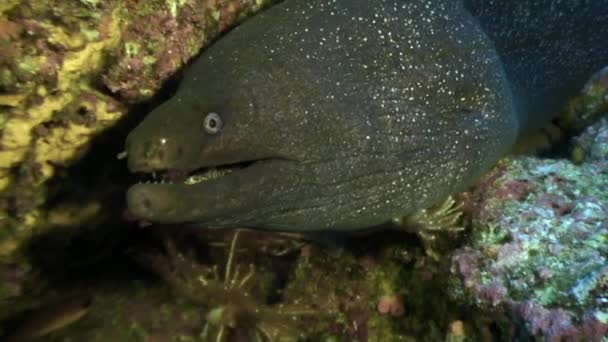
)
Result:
{"points": [[131, 49]]}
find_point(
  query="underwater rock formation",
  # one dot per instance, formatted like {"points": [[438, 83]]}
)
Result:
{"points": [[67, 71], [538, 251]]}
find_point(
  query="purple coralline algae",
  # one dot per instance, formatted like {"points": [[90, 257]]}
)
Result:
{"points": [[538, 247]]}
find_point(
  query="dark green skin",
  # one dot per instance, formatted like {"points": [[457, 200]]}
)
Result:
{"points": [[356, 112]]}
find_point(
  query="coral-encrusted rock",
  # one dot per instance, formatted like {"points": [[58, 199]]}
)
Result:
{"points": [[595, 142], [539, 246], [162, 36]]}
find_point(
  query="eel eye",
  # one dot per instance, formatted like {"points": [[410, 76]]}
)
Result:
{"points": [[213, 123]]}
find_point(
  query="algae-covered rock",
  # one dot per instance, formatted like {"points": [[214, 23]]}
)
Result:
{"points": [[69, 69], [538, 248]]}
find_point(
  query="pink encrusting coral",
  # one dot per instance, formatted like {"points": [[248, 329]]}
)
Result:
{"points": [[538, 251]]}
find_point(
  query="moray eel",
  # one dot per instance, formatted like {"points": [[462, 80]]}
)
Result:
{"points": [[344, 114]]}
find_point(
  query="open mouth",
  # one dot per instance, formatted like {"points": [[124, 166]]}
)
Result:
{"points": [[195, 176], [199, 194]]}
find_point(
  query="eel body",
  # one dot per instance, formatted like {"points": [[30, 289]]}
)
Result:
{"points": [[344, 114]]}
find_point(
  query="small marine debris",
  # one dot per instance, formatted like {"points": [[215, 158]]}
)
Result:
{"points": [[456, 332], [235, 307], [390, 305], [444, 217], [432, 224]]}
